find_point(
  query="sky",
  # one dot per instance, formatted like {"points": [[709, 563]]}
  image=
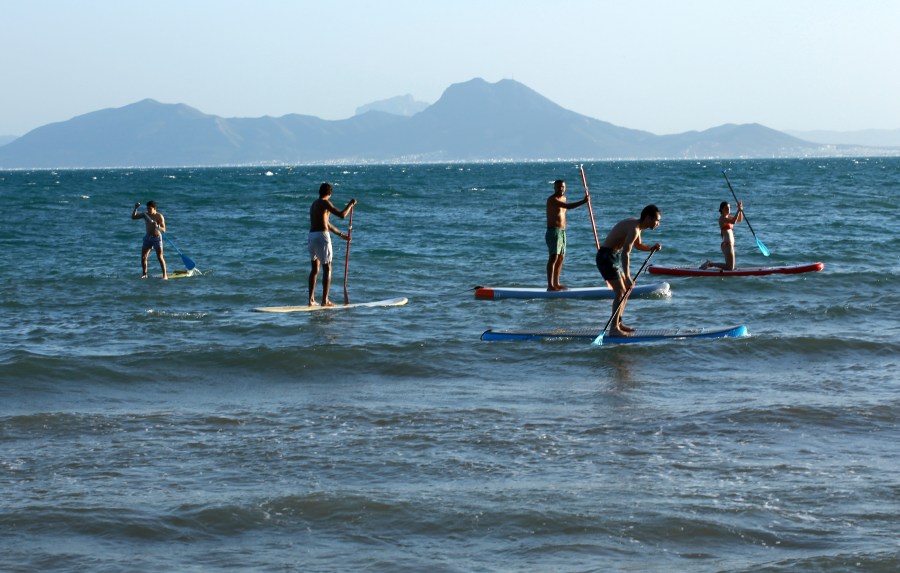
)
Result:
{"points": [[663, 66]]}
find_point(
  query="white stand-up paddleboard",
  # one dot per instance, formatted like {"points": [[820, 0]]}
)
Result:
{"points": [[400, 301]]}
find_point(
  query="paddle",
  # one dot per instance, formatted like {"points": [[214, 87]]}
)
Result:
{"points": [[599, 340], [347, 258], [188, 263], [590, 209], [762, 248]]}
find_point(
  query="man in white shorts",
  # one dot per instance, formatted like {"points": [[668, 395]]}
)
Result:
{"points": [[320, 240]]}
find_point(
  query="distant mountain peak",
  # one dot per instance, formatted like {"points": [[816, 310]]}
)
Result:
{"points": [[404, 105]]}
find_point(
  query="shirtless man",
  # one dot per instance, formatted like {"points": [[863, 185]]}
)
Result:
{"points": [[156, 226], [556, 232], [614, 260], [320, 240]]}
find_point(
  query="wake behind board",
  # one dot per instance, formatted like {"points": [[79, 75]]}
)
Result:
{"points": [[738, 272], [494, 293], [589, 334], [400, 301], [180, 274]]}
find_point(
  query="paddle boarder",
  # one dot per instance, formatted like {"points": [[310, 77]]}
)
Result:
{"points": [[726, 228], [614, 259], [156, 226], [555, 237], [319, 242]]}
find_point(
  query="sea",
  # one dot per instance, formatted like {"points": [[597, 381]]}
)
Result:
{"points": [[150, 425]]}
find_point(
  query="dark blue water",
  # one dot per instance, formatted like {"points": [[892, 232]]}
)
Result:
{"points": [[150, 425]]}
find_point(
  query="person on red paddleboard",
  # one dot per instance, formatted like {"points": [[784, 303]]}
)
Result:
{"points": [[726, 228], [319, 242], [614, 260], [555, 236]]}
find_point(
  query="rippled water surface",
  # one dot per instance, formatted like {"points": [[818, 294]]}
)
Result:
{"points": [[150, 425]]}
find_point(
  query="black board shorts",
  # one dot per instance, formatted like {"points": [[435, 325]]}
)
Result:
{"points": [[609, 264]]}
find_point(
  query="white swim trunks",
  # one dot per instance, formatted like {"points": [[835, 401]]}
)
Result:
{"points": [[320, 246]]}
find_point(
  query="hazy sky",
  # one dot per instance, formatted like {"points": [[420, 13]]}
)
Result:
{"points": [[665, 66]]}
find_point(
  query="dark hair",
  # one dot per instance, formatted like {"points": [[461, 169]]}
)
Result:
{"points": [[649, 211], [324, 189], [151, 204], [557, 185], [722, 205]]}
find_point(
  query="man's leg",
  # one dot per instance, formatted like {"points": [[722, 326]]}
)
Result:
{"points": [[616, 328], [162, 261], [557, 272], [313, 274], [326, 284], [554, 264], [145, 252]]}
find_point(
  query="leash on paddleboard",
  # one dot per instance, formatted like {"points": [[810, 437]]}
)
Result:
{"points": [[762, 248], [590, 209], [599, 340]]}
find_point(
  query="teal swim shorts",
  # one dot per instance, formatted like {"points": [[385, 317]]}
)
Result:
{"points": [[556, 240]]}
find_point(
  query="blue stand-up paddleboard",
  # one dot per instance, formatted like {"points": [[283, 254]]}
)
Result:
{"points": [[589, 334]]}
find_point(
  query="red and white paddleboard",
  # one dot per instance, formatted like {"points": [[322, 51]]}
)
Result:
{"points": [[738, 272]]}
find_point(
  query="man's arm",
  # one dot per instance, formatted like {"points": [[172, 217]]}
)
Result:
{"points": [[342, 214], [641, 246], [337, 231], [630, 239], [579, 203], [557, 202]]}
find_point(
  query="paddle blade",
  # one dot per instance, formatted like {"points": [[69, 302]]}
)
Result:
{"points": [[762, 248], [598, 341], [188, 263]]}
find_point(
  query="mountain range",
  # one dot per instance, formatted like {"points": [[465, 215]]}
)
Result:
{"points": [[472, 121]]}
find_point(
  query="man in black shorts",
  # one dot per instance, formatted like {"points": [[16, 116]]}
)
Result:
{"points": [[614, 258]]}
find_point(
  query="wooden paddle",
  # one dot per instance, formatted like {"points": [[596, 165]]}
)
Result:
{"points": [[762, 248], [590, 209], [599, 340], [347, 258]]}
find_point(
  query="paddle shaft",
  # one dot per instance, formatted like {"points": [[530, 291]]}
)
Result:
{"points": [[347, 258], [590, 209], [624, 298]]}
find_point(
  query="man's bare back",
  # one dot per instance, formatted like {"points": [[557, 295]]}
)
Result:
{"points": [[319, 212], [623, 233]]}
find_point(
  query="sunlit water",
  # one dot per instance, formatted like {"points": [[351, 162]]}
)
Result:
{"points": [[163, 426]]}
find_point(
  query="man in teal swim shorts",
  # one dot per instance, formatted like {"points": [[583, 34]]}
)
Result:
{"points": [[556, 232]]}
